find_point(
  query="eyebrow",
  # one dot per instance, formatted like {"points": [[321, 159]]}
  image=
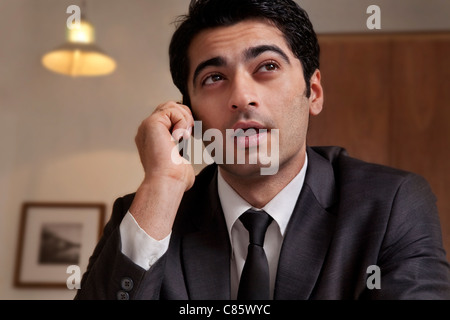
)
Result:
{"points": [[250, 53], [213, 62], [254, 52]]}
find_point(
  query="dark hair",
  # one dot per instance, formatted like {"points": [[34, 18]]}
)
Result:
{"points": [[286, 15]]}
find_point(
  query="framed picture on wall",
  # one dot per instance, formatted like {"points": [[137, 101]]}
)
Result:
{"points": [[54, 236]]}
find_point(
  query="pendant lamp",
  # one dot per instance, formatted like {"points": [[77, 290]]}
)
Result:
{"points": [[79, 56]]}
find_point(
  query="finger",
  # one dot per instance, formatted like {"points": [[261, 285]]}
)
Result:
{"points": [[181, 129], [167, 107], [184, 107], [184, 129], [188, 115], [176, 118]]}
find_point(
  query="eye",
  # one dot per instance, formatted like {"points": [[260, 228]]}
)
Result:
{"points": [[211, 79], [269, 67]]}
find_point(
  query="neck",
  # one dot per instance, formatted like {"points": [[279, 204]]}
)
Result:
{"points": [[258, 189]]}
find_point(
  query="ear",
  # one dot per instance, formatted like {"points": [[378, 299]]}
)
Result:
{"points": [[316, 97]]}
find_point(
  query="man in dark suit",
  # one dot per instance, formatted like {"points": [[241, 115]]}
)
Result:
{"points": [[334, 227]]}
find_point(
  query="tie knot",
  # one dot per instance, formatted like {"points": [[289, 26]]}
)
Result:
{"points": [[256, 222]]}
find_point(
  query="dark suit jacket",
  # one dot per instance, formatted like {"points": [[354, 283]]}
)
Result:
{"points": [[350, 215]]}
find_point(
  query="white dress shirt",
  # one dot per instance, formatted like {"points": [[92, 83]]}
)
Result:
{"points": [[137, 245], [280, 208], [145, 251]]}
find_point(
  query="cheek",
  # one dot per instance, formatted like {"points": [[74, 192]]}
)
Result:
{"points": [[294, 122], [212, 111], [208, 117], [203, 111]]}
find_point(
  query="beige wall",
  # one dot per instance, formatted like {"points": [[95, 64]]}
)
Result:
{"points": [[72, 139]]}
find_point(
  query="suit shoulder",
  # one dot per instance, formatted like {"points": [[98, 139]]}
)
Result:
{"points": [[343, 162], [367, 171], [366, 175]]}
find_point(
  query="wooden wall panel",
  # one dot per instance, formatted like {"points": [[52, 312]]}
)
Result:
{"points": [[387, 100], [356, 105], [421, 115]]}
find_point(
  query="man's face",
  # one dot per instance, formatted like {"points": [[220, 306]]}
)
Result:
{"points": [[246, 76]]}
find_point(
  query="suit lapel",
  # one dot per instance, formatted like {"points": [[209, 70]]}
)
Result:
{"points": [[206, 252], [309, 233]]}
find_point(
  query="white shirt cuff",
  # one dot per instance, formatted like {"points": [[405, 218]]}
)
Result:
{"points": [[137, 245]]}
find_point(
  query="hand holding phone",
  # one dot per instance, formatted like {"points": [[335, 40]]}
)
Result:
{"points": [[166, 179]]}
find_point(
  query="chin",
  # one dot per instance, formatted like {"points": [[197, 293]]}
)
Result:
{"points": [[243, 170]]}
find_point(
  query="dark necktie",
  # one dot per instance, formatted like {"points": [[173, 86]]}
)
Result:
{"points": [[255, 280]]}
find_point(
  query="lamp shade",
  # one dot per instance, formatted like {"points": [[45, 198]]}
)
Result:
{"points": [[79, 56]]}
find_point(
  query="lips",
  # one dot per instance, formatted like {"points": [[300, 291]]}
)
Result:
{"points": [[245, 125], [249, 133]]}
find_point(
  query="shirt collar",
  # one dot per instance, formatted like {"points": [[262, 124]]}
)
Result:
{"points": [[280, 207]]}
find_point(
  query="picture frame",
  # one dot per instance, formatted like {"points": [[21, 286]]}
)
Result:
{"points": [[53, 236]]}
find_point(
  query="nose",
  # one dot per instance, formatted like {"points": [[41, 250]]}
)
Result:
{"points": [[243, 93]]}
